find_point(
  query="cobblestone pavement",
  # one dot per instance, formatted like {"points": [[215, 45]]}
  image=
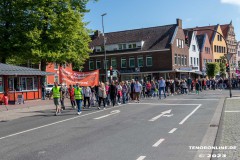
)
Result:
{"points": [[229, 132]]}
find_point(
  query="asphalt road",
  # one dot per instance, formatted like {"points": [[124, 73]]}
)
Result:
{"points": [[150, 130]]}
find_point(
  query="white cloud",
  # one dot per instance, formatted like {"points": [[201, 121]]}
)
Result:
{"points": [[234, 2]]}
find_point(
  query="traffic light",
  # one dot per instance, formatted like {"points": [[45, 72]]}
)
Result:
{"points": [[111, 71], [227, 68]]}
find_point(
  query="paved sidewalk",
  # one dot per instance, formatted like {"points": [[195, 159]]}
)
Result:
{"points": [[29, 108], [229, 132]]}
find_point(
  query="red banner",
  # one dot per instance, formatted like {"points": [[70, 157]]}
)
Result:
{"points": [[83, 78]]}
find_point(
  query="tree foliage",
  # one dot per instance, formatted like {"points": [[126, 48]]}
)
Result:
{"points": [[212, 69], [44, 31]]}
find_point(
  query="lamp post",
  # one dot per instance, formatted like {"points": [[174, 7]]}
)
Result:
{"points": [[104, 46]]}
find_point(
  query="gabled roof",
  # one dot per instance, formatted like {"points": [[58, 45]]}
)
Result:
{"points": [[155, 38], [200, 39], [205, 29], [225, 29], [6, 69]]}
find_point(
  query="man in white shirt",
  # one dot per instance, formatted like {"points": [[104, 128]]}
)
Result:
{"points": [[138, 89]]}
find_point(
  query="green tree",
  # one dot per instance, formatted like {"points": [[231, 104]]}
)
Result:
{"points": [[212, 69], [222, 70]]}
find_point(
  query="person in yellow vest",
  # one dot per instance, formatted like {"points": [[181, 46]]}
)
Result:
{"points": [[78, 93], [56, 92]]}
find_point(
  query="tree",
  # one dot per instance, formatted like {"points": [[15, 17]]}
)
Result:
{"points": [[222, 66], [44, 31], [212, 69]]}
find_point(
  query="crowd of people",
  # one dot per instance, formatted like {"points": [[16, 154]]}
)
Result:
{"points": [[117, 93]]}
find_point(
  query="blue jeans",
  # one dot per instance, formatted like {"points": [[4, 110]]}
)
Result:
{"points": [[79, 104], [160, 90], [124, 96]]}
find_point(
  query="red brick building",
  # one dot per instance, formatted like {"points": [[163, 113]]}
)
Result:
{"points": [[146, 53]]}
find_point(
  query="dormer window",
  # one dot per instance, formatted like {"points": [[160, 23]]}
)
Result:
{"points": [[122, 46]]}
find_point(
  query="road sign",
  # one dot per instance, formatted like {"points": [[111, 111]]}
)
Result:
{"points": [[228, 56]]}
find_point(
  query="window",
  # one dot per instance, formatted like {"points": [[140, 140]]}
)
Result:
{"points": [[56, 79], [98, 64], [1, 84], [193, 48], [91, 65], [149, 61], [175, 59], [194, 61], [180, 43], [28, 83], [35, 85], [185, 60], [197, 61], [131, 62], [224, 49], [140, 61], [182, 60], [191, 61], [122, 46], [215, 48], [179, 60], [55, 66], [114, 63], [105, 64], [123, 63]]}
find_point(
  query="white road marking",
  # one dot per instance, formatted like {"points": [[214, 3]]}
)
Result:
{"points": [[173, 130], [141, 158], [166, 104], [158, 143], [111, 113], [190, 114], [157, 117], [232, 111], [65, 120]]}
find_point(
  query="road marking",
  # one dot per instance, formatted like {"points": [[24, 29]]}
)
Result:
{"points": [[166, 104], [190, 114], [141, 158], [232, 111], [158, 142], [36, 128], [173, 130], [111, 113], [193, 99], [157, 117]]}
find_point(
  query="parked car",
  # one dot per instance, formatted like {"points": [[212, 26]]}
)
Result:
{"points": [[49, 90]]}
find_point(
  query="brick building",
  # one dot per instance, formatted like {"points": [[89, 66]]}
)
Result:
{"points": [[146, 53]]}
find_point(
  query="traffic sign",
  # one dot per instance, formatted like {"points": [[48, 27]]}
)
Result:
{"points": [[228, 56]]}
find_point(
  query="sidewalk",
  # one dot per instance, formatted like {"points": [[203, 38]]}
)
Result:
{"points": [[229, 131], [29, 108]]}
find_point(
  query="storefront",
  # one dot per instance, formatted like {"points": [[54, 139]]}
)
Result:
{"points": [[15, 81]]}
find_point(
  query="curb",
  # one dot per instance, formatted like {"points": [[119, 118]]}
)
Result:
{"points": [[211, 134]]}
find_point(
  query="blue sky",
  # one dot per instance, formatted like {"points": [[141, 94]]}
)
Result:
{"points": [[134, 14]]}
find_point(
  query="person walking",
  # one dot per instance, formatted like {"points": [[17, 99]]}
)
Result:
{"points": [[113, 93], [101, 95], [43, 91], [197, 87], [119, 92], [124, 92], [138, 89], [71, 96], [63, 95], [162, 85], [87, 95], [56, 91], [78, 93], [107, 101]]}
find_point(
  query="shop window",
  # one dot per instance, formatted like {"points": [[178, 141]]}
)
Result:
{"points": [[149, 61], [123, 63], [140, 61], [1, 85], [131, 62]]}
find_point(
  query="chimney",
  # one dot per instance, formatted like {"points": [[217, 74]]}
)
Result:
{"points": [[97, 33], [179, 23]]}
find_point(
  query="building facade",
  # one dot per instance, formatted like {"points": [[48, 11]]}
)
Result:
{"points": [[142, 54]]}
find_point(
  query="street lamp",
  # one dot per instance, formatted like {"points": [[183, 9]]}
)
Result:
{"points": [[104, 46]]}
